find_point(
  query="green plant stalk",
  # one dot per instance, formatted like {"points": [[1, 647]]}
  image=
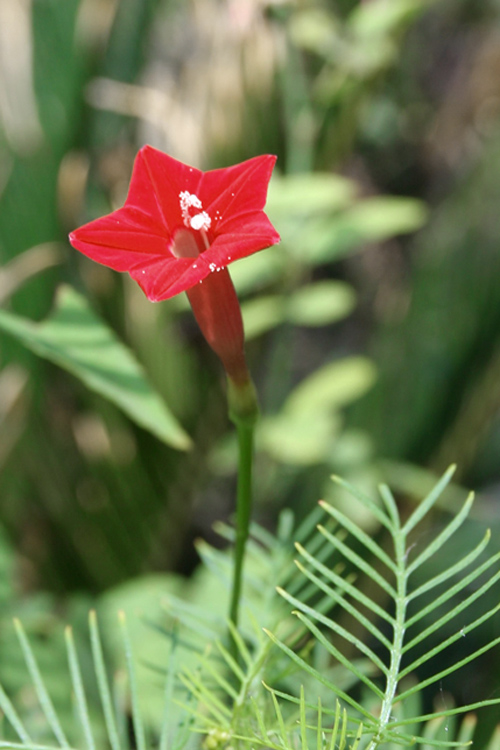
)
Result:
{"points": [[243, 411], [243, 512]]}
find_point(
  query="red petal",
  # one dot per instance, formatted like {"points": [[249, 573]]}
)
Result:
{"points": [[161, 278], [159, 182], [120, 240], [242, 236], [227, 193]]}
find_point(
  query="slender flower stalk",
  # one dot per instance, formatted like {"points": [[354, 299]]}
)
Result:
{"points": [[243, 512], [244, 412], [178, 231]]}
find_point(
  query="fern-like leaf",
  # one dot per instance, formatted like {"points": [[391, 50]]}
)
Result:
{"points": [[385, 632]]}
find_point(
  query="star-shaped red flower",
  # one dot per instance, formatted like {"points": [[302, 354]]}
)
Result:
{"points": [[179, 225]]}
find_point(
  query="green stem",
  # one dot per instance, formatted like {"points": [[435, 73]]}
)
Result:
{"points": [[243, 411], [243, 511]]}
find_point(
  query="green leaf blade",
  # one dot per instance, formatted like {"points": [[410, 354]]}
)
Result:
{"points": [[75, 338], [424, 507]]}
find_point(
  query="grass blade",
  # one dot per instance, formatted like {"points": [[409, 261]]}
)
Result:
{"points": [[320, 678], [441, 538], [334, 596], [102, 683], [449, 670], [79, 690], [41, 691], [453, 569], [359, 562], [454, 612], [424, 507], [340, 657], [139, 736], [343, 583], [11, 714], [365, 500], [391, 506], [360, 535]]}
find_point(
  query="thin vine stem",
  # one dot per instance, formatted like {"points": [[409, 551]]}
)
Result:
{"points": [[243, 511]]}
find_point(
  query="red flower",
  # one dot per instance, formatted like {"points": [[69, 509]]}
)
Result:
{"points": [[179, 229], [179, 225]]}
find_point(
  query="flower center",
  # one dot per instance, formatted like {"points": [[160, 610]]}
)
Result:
{"points": [[184, 245], [193, 215]]}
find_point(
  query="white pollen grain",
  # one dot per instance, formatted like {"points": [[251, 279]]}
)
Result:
{"points": [[200, 221]]}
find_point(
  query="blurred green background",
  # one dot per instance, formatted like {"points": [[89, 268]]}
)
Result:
{"points": [[373, 329]]}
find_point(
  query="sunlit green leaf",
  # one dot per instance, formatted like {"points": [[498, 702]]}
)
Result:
{"points": [[259, 270], [318, 304], [314, 29], [381, 17], [321, 303], [306, 194], [298, 438], [332, 386], [77, 340], [262, 314], [383, 216], [328, 238]]}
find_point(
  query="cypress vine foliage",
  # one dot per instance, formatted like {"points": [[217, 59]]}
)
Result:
{"points": [[329, 651]]}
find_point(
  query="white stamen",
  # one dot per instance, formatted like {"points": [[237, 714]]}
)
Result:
{"points": [[187, 200], [200, 220]]}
